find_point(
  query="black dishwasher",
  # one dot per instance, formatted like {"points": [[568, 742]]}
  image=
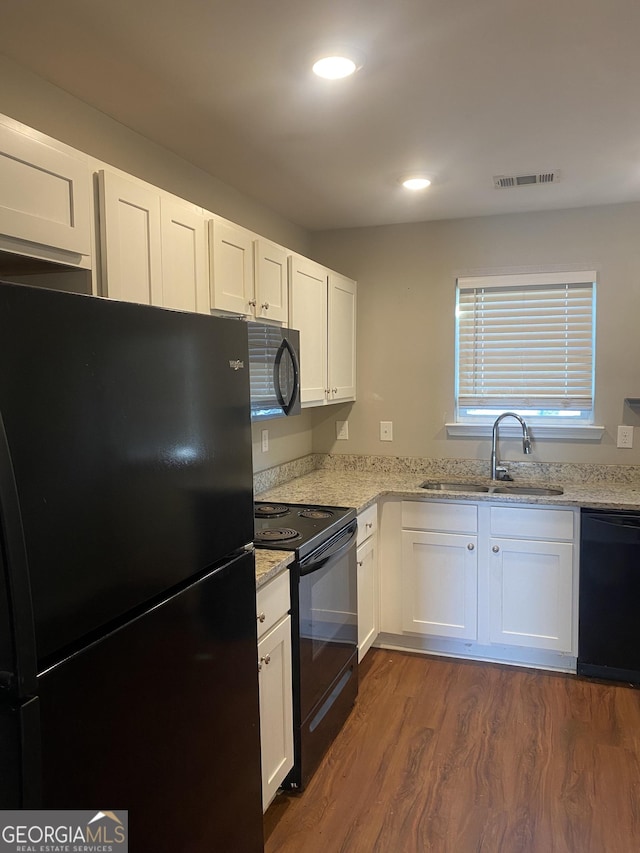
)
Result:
{"points": [[609, 624]]}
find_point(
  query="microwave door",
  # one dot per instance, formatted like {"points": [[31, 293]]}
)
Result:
{"points": [[290, 372]]}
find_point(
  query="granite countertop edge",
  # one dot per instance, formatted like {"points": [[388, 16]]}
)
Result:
{"points": [[269, 564]]}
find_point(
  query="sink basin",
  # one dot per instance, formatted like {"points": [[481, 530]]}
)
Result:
{"points": [[526, 490], [453, 487], [446, 486]]}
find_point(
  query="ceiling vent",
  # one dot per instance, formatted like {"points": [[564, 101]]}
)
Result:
{"points": [[503, 182]]}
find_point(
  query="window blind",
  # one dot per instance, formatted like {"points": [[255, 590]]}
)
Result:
{"points": [[526, 342]]}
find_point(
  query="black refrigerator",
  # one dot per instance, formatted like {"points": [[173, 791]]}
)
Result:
{"points": [[128, 663]]}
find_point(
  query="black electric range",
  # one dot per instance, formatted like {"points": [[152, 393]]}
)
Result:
{"points": [[298, 527], [324, 621]]}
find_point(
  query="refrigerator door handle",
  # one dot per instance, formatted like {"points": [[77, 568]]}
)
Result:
{"points": [[18, 659]]}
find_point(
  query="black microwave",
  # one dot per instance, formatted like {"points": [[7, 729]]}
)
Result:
{"points": [[274, 371]]}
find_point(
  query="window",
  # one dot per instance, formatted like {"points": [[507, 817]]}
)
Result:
{"points": [[525, 343]]}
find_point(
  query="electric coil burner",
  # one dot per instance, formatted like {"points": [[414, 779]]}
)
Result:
{"points": [[324, 621]]}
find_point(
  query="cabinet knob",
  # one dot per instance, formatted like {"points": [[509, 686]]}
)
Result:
{"points": [[496, 549], [470, 546], [261, 617], [265, 305], [335, 390], [252, 302], [369, 524], [266, 659], [360, 562]]}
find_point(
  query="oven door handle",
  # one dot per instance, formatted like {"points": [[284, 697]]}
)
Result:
{"points": [[336, 549]]}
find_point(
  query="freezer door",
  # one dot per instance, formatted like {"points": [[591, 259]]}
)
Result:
{"points": [[20, 776], [161, 718], [128, 429]]}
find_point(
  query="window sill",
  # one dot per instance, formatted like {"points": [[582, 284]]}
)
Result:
{"points": [[576, 432]]}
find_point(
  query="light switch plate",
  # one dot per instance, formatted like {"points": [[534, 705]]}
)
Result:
{"points": [[386, 430], [342, 430]]}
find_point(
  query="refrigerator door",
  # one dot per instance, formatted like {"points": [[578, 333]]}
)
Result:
{"points": [[129, 436], [161, 718]]}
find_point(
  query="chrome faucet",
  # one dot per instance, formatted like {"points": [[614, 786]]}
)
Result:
{"points": [[526, 444]]}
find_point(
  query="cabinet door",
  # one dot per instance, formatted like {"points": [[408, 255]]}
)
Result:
{"points": [[530, 594], [44, 194], [342, 338], [185, 283], [131, 240], [308, 314], [271, 282], [439, 580], [231, 267], [368, 620], [276, 708]]}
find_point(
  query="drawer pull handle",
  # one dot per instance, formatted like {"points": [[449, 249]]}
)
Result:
{"points": [[261, 617], [495, 549]]}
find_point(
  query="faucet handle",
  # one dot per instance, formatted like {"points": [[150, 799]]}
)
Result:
{"points": [[503, 474]]}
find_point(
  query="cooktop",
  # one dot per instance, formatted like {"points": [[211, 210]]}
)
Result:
{"points": [[297, 527]]}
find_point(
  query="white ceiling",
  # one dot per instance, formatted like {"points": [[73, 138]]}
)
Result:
{"points": [[460, 89]]}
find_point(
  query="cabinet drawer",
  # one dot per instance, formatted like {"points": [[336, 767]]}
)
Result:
{"points": [[447, 517], [273, 602], [521, 523], [367, 523]]}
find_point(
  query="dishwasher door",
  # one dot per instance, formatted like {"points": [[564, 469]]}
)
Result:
{"points": [[609, 614]]}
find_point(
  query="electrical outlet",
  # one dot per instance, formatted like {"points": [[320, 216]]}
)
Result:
{"points": [[386, 431], [625, 436], [265, 440], [342, 430]]}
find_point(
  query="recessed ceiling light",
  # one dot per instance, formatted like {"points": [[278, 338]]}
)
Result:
{"points": [[416, 183], [334, 67]]}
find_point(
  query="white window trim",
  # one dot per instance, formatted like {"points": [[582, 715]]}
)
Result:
{"points": [[584, 432]]}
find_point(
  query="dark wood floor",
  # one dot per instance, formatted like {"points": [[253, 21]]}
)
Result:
{"points": [[462, 757]]}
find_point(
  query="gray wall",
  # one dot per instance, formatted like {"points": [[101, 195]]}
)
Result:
{"points": [[406, 298]]}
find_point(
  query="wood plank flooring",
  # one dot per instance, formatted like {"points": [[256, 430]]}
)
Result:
{"points": [[463, 757]]}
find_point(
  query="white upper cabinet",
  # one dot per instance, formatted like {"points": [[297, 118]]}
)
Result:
{"points": [[342, 338], [185, 275], [308, 314], [271, 282], [154, 246], [45, 197], [231, 267], [131, 240], [322, 305]]}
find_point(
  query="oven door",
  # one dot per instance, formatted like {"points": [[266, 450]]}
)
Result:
{"points": [[328, 616]]}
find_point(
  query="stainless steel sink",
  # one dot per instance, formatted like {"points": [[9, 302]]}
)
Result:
{"points": [[453, 487], [526, 490], [445, 486]]}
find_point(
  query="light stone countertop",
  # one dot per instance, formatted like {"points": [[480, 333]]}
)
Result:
{"points": [[270, 563], [361, 489]]}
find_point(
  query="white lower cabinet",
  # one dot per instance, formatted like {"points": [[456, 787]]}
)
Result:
{"points": [[501, 577], [440, 577], [274, 675], [531, 580], [368, 596]]}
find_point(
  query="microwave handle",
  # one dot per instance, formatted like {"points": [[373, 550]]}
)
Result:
{"points": [[285, 346]]}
